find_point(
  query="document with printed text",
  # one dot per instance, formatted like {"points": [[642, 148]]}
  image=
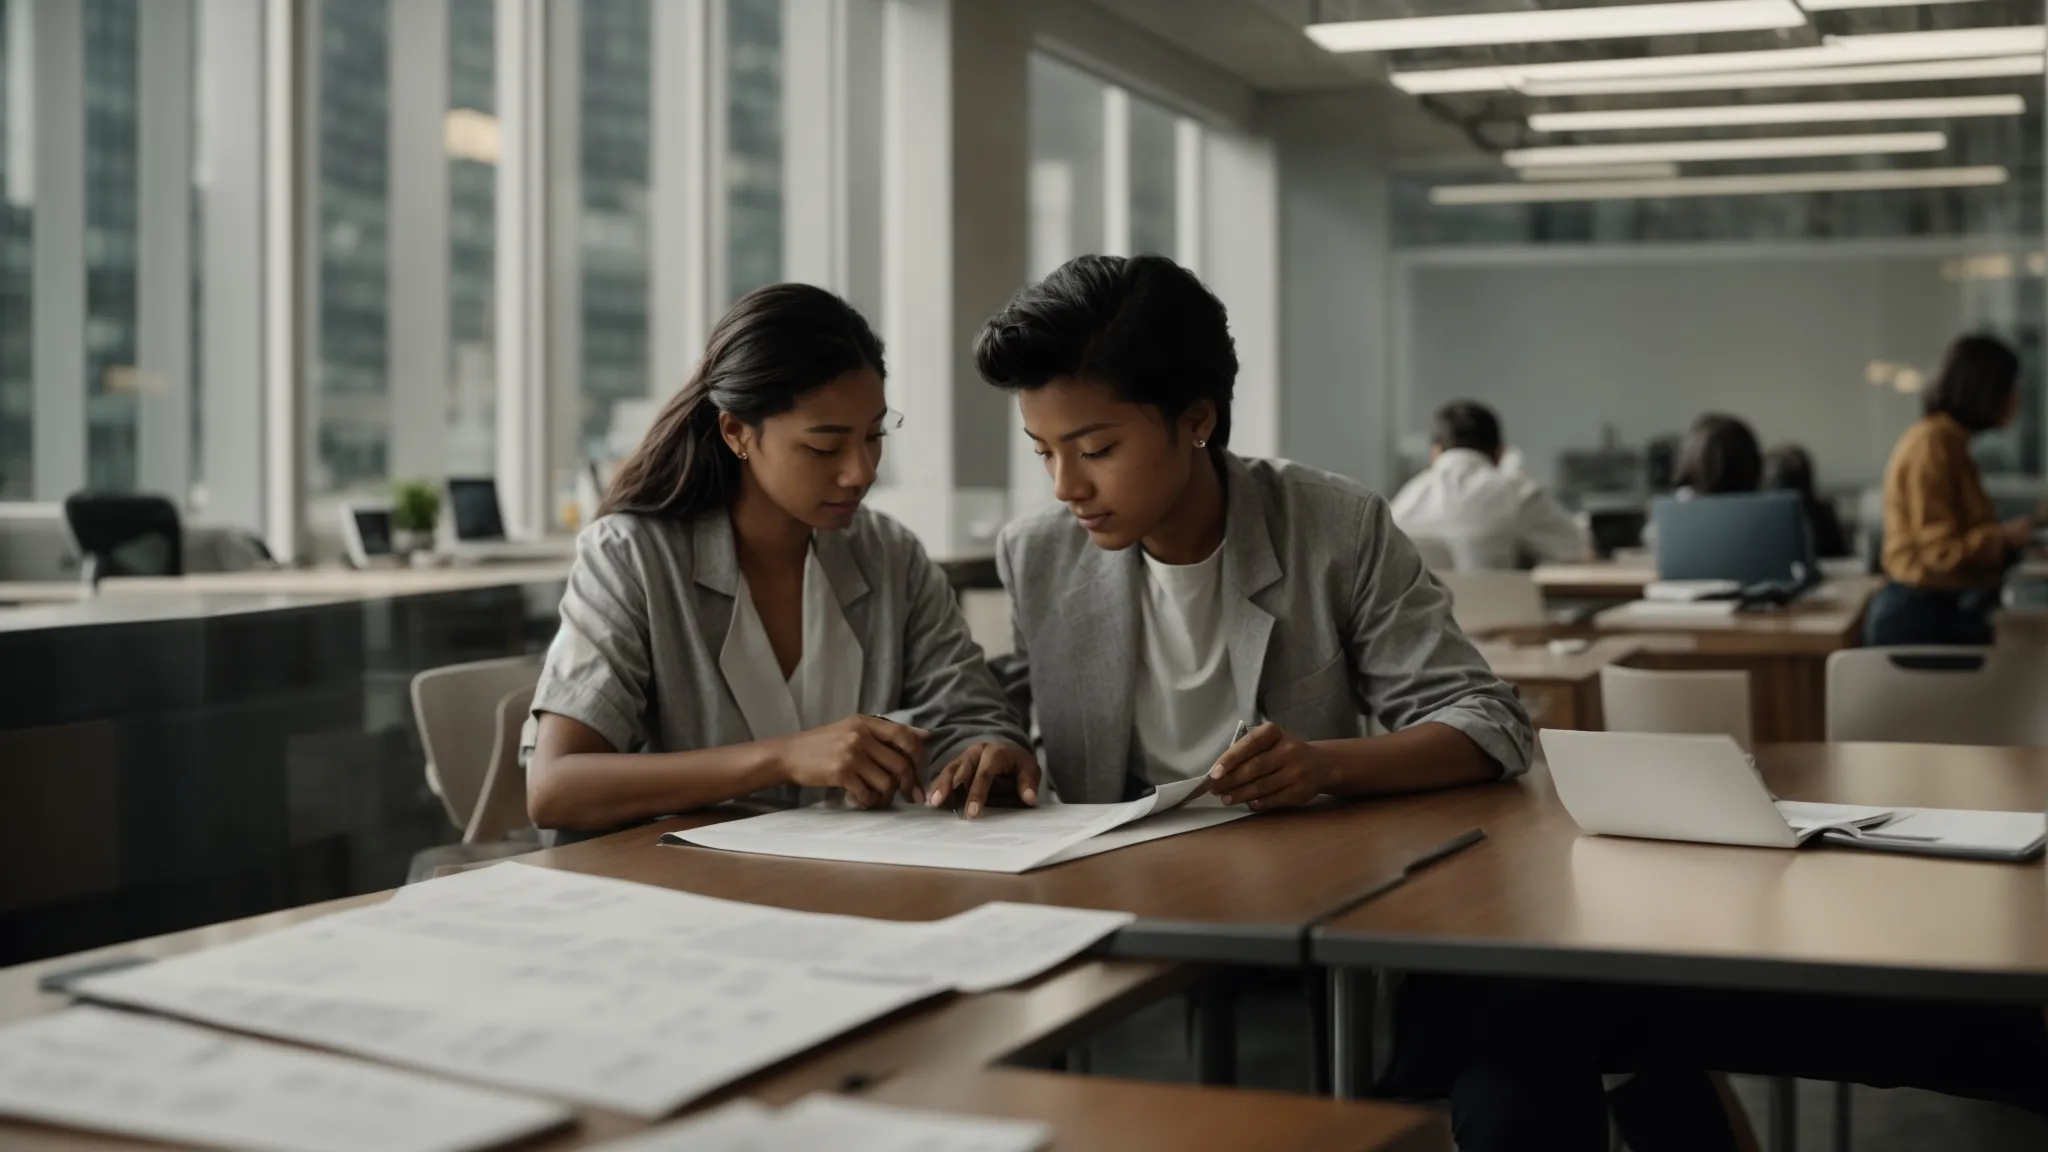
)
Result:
{"points": [[160, 1080], [1000, 840], [839, 1123]]}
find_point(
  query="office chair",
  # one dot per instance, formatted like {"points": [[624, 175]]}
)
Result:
{"points": [[125, 534]]}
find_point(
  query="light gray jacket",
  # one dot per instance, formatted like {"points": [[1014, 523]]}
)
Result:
{"points": [[646, 613], [1329, 612]]}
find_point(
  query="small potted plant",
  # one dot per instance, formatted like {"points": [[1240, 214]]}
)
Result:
{"points": [[415, 509]]}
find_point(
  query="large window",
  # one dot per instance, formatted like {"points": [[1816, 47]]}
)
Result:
{"points": [[1154, 171], [112, 380], [17, 223], [753, 154], [1066, 164], [614, 233], [473, 153], [349, 406]]}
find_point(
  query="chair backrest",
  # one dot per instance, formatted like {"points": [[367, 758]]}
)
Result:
{"points": [[1996, 696], [1641, 700], [502, 807], [1483, 602], [127, 534], [456, 708], [1437, 555]]}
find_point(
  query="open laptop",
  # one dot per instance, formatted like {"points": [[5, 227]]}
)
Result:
{"points": [[479, 526], [1750, 538], [1703, 788]]}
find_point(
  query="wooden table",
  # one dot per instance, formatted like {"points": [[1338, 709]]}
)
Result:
{"points": [[1597, 580], [1129, 1116], [1539, 898], [1241, 893], [17, 592], [368, 583]]}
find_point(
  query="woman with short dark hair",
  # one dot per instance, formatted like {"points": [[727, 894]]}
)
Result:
{"points": [[1788, 468], [1945, 552], [1720, 455]]}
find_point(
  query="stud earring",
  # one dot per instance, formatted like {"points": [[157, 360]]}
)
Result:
{"points": [[743, 455], [1201, 443]]}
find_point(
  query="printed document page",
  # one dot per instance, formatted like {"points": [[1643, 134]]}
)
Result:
{"points": [[159, 1080], [1001, 840]]}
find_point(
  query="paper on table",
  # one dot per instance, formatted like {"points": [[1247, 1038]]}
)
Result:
{"points": [[158, 1080], [992, 946], [1000, 840], [1807, 818], [1953, 832], [623, 1023], [838, 1123]]}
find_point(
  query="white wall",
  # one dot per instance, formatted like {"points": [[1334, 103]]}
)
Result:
{"points": [[1562, 342]]}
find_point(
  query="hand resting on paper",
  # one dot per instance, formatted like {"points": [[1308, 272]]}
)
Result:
{"points": [[985, 774], [871, 758], [1270, 768]]}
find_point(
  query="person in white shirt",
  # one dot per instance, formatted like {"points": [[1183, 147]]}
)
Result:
{"points": [[1469, 509]]}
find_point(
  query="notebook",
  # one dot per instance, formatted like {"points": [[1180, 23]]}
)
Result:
{"points": [[1704, 789]]}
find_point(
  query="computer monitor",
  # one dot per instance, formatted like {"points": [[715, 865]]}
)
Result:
{"points": [[366, 533], [1748, 537], [473, 501]]}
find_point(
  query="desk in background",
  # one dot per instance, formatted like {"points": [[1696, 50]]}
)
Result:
{"points": [[1562, 690]]}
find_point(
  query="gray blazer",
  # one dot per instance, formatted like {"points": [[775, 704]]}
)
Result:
{"points": [[1330, 616], [646, 613]]}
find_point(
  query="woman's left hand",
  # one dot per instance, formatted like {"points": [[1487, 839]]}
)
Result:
{"points": [[1270, 768], [985, 774]]}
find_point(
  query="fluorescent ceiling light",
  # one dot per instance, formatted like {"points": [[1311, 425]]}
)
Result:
{"points": [[1776, 182], [1683, 151], [1824, 112], [1603, 172], [1530, 27], [1986, 68], [1838, 5], [1950, 44]]}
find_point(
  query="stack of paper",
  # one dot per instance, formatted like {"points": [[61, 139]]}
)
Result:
{"points": [[835, 1122], [620, 995], [1000, 840], [158, 1080]]}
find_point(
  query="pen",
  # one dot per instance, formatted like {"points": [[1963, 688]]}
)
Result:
{"points": [[1451, 847], [1242, 730]]}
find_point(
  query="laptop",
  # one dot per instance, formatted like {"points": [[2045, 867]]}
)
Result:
{"points": [[1750, 538], [1704, 789], [479, 526], [367, 535]]}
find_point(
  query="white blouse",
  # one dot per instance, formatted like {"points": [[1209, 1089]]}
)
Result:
{"points": [[826, 684]]}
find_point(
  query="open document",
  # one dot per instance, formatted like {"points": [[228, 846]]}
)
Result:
{"points": [[160, 1080], [620, 995], [841, 1124], [1001, 840]]}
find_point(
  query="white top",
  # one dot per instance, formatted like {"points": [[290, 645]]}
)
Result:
{"points": [[1185, 706], [1485, 517], [826, 684]]}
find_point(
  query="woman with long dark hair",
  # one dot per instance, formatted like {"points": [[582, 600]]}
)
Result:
{"points": [[1945, 551], [735, 623], [1720, 455]]}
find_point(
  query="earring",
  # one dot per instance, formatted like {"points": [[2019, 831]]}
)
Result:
{"points": [[743, 455], [1201, 443]]}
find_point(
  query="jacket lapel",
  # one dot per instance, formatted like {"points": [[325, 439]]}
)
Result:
{"points": [[1100, 622], [1249, 567]]}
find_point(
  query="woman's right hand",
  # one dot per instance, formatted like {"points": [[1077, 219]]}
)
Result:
{"points": [[871, 758]]}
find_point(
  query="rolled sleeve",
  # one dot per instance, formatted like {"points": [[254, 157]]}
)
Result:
{"points": [[1414, 664], [598, 669]]}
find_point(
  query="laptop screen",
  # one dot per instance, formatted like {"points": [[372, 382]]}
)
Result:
{"points": [[475, 505], [373, 528]]}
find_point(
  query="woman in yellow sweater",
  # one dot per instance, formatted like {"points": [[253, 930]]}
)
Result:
{"points": [[1945, 551]]}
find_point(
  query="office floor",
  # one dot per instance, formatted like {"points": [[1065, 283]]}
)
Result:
{"points": [[1272, 1023]]}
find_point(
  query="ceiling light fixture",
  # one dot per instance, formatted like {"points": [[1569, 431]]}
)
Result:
{"points": [[1949, 44], [1603, 172], [1764, 148], [1537, 192], [1916, 72], [1541, 25], [1734, 115]]}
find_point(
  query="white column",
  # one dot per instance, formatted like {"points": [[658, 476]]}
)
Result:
{"points": [[1116, 171], [291, 294], [860, 127], [917, 261], [680, 305], [1241, 261], [420, 364], [519, 291], [231, 172], [57, 306], [814, 187], [163, 258], [1187, 194], [562, 275]]}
